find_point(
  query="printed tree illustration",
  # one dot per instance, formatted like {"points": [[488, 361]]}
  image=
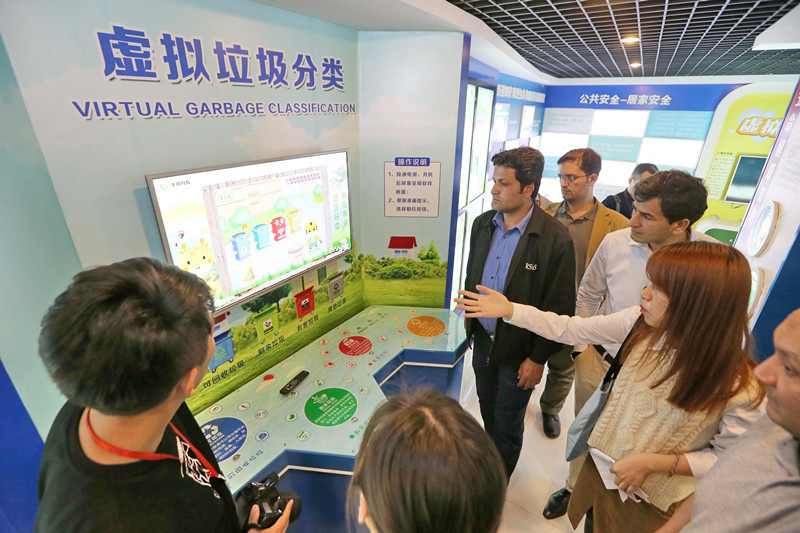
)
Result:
{"points": [[256, 305], [241, 217], [281, 204], [429, 254]]}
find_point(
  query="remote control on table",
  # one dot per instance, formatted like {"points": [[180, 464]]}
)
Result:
{"points": [[289, 387]]}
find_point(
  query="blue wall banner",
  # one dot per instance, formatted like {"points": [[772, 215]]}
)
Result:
{"points": [[550, 166], [679, 124], [511, 89], [663, 97], [483, 72]]}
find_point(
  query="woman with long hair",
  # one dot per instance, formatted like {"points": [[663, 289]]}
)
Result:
{"points": [[685, 390]]}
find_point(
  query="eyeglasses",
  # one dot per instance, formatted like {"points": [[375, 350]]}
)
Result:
{"points": [[569, 177]]}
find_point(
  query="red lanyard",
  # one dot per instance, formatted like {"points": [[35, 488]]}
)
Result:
{"points": [[145, 455]]}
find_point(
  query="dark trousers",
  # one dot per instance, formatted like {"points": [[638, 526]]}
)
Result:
{"points": [[502, 403]]}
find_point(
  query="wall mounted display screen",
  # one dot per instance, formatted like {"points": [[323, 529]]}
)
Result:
{"points": [[526, 121], [745, 179], [480, 142], [500, 124], [248, 228], [494, 149]]}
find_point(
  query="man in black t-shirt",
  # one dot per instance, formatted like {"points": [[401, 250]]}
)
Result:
{"points": [[127, 344], [622, 202]]}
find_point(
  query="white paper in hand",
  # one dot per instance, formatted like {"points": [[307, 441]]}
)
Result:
{"points": [[604, 463]]}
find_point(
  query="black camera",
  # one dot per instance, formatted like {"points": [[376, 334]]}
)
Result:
{"points": [[270, 500]]}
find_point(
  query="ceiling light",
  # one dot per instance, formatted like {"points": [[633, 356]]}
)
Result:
{"points": [[636, 65], [630, 40]]}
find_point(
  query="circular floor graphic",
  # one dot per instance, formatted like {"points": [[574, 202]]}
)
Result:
{"points": [[330, 407], [355, 345], [425, 326], [225, 435]]}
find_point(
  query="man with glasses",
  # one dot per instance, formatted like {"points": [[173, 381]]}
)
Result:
{"points": [[587, 221], [665, 207], [522, 252]]}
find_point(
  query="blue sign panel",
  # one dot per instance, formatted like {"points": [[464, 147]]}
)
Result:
{"points": [[550, 166], [412, 161], [661, 97], [679, 124], [511, 89]]}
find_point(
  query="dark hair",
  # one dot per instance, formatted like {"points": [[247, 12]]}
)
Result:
{"points": [[587, 159], [641, 168], [527, 162], [706, 339], [681, 194], [121, 336], [425, 464]]}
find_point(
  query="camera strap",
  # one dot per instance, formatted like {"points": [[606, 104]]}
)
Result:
{"points": [[146, 456]]}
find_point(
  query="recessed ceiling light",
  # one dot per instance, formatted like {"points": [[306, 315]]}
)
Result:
{"points": [[636, 65], [630, 40]]}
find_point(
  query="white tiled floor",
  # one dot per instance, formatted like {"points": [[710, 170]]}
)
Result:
{"points": [[541, 470]]}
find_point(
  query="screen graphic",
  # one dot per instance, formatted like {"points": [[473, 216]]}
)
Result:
{"points": [[248, 228]]}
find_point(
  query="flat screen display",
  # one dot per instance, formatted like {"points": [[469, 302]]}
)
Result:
{"points": [[248, 228], [745, 179], [526, 121], [500, 125]]}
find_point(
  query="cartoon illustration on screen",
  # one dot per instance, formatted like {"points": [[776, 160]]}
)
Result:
{"points": [[200, 261], [313, 239], [278, 228], [295, 220]]}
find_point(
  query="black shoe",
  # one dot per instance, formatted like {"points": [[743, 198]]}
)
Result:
{"points": [[552, 425], [557, 504]]}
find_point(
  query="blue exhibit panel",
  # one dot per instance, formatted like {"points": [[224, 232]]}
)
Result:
{"points": [[311, 436], [20, 456], [616, 148], [416, 368], [550, 166], [679, 124], [538, 117]]}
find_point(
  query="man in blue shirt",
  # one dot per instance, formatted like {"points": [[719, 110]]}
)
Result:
{"points": [[519, 250]]}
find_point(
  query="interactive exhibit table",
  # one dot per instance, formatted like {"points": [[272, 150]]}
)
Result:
{"points": [[311, 436]]}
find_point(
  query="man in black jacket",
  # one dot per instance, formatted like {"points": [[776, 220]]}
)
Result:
{"points": [[527, 255]]}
